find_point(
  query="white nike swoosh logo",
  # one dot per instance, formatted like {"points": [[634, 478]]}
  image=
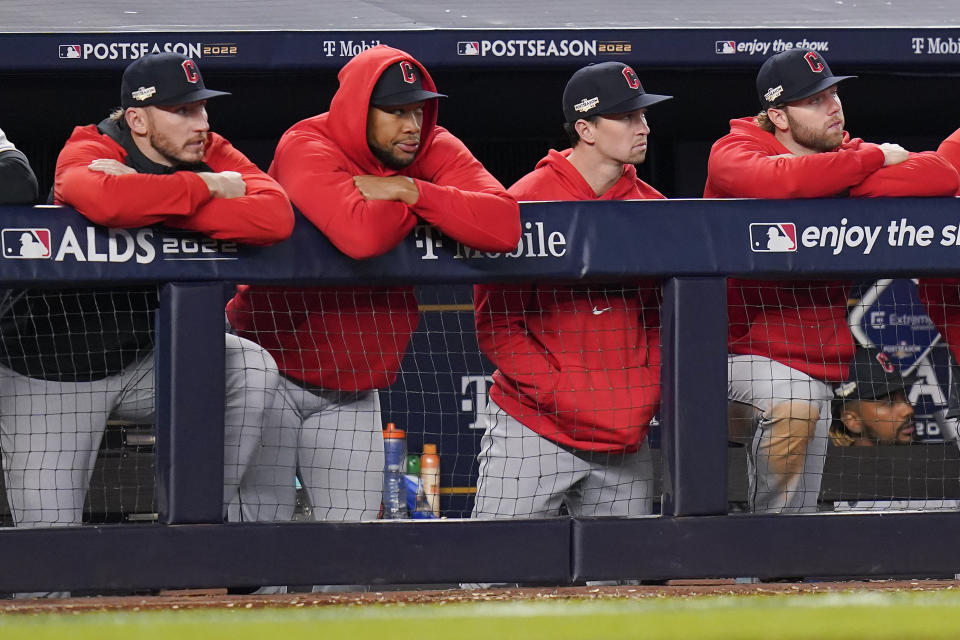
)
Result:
{"points": [[597, 312]]}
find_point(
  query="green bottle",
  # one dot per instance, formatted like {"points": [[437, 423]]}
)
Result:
{"points": [[413, 464]]}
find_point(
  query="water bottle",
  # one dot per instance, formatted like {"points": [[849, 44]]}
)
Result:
{"points": [[394, 465]]}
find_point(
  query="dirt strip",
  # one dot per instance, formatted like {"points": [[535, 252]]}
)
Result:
{"points": [[218, 599]]}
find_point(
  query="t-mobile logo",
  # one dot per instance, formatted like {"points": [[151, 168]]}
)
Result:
{"points": [[428, 238], [474, 390]]}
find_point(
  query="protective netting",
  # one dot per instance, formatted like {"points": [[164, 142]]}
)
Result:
{"points": [[78, 405], [839, 401], [838, 397], [72, 360], [576, 387], [579, 381]]}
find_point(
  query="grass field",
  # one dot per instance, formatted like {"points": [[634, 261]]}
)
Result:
{"points": [[822, 616]]}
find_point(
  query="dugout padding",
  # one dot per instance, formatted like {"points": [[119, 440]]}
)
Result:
{"points": [[701, 239]]}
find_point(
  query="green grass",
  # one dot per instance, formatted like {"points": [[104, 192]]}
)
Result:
{"points": [[821, 616]]}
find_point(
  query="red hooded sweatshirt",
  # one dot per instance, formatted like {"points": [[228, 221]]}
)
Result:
{"points": [[354, 338], [179, 199], [578, 364], [92, 333], [803, 324], [942, 295]]}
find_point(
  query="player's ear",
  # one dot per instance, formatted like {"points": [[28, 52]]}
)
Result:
{"points": [[778, 118], [585, 130], [851, 420], [136, 119]]}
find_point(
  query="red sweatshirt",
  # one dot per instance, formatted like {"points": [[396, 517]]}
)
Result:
{"points": [[942, 295], [803, 324], [354, 338], [578, 364], [180, 199]]}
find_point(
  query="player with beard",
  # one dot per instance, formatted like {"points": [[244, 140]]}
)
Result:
{"points": [[871, 407], [788, 340], [365, 173], [72, 359]]}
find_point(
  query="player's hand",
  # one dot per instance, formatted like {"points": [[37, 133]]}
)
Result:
{"points": [[110, 167], [225, 184], [397, 188], [893, 153]]}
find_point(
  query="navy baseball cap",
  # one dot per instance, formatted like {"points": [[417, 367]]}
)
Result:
{"points": [[872, 377], [792, 75], [163, 79], [400, 83], [608, 87]]}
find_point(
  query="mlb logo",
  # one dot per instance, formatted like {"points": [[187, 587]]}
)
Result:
{"points": [[468, 48], [22, 244], [69, 51], [775, 237], [726, 47]]}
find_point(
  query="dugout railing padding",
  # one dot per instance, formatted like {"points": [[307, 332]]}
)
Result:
{"points": [[694, 244]]}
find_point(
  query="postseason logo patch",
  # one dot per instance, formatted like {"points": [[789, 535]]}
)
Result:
{"points": [[773, 93], [773, 237], [24, 244], [586, 104], [143, 93]]}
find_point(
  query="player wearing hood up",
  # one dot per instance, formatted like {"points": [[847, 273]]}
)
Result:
{"points": [[578, 366], [365, 173]]}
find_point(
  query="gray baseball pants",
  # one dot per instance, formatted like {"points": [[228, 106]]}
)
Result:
{"points": [[783, 416], [335, 438], [50, 433], [524, 475]]}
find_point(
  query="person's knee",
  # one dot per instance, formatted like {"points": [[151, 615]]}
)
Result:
{"points": [[252, 373], [245, 355], [796, 420], [793, 425]]}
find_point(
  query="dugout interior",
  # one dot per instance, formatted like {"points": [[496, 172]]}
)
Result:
{"points": [[505, 108]]}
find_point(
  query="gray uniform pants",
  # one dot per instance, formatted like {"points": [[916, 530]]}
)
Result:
{"points": [[50, 433], [335, 438], [785, 458], [524, 475]]}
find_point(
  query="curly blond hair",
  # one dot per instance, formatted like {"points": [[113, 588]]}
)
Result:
{"points": [[763, 121]]}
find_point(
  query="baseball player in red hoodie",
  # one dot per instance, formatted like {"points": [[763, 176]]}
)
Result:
{"points": [[578, 366], [364, 173], [74, 358], [789, 341]]}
